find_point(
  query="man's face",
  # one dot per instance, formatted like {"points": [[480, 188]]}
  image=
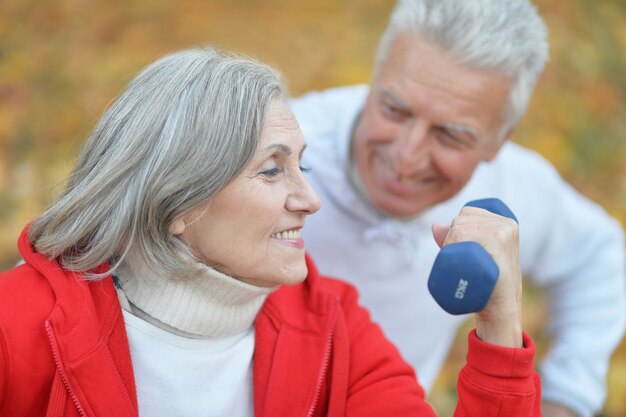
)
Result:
{"points": [[426, 125]]}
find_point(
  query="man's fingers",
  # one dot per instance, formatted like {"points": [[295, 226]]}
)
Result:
{"points": [[440, 231]]}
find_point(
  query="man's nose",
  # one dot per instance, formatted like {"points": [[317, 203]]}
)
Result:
{"points": [[411, 150]]}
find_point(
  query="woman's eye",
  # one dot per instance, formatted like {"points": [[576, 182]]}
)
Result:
{"points": [[272, 172], [304, 169]]}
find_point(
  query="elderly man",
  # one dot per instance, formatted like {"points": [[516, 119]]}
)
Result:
{"points": [[451, 81]]}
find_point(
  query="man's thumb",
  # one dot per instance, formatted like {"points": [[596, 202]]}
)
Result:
{"points": [[440, 231]]}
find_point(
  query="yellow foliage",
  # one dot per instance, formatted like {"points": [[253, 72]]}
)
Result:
{"points": [[62, 62]]}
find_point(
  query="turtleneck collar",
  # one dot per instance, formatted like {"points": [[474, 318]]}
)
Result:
{"points": [[209, 305]]}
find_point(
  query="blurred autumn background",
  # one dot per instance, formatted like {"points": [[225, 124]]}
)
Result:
{"points": [[62, 61]]}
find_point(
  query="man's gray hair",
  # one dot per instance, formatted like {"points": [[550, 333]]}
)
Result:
{"points": [[505, 36], [180, 131]]}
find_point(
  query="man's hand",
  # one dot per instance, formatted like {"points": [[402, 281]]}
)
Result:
{"points": [[556, 410], [500, 322]]}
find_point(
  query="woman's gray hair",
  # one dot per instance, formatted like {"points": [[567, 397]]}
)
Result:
{"points": [[505, 36], [180, 131]]}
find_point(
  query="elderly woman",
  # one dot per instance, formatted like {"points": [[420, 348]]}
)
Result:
{"points": [[170, 278]]}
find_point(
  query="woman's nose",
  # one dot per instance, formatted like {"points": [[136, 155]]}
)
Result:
{"points": [[304, 198]]}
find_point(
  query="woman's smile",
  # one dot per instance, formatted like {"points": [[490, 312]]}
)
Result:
{"points": [[290, 238]]}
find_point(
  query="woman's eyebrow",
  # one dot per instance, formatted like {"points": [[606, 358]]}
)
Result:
{"points": [[278, 146], [283, 148], [302, 150]]}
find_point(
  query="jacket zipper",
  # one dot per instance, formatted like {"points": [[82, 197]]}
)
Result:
{"points": [[59, 365], [322, 374]]}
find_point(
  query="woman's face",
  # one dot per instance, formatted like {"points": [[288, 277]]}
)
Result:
{"points": [[250, 230]]}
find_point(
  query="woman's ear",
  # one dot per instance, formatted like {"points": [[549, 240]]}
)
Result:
{"points": [[177, 227]]}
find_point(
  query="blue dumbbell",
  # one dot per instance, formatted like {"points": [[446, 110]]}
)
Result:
{"points": [[464, 274]]}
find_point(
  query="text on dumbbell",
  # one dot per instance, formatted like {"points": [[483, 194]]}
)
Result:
{"points": [[460, 290]]}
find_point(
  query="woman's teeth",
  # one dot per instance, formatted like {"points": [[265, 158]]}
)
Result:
{"points": [[287, 235]]}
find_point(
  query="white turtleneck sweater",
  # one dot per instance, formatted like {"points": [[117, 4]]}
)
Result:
{"points": [[191, 342]]}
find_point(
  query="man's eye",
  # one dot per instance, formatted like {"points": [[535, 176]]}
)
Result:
{"points": [[444, 134], [393, 112], [391, 109], [449, 139]]}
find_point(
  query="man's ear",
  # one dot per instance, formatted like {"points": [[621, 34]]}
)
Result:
{"points": [[493, 151], [177, 227]]}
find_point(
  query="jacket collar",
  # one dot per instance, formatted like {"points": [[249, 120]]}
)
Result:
{"points": [[294, 334]]}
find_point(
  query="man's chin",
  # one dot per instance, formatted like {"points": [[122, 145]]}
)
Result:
{"points": [[391, 207]]}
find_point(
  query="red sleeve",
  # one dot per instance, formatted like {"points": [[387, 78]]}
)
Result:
{"points": [[499, 381], [3, 368], [495, 382], [380, 382]]}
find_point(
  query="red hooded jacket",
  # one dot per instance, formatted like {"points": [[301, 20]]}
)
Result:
{"points": [[64, 352]]}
